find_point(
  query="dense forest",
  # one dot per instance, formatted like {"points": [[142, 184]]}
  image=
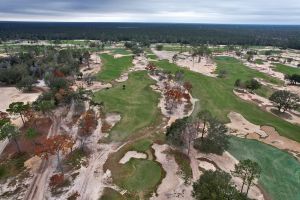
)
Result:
{"points": [[276, 35]]}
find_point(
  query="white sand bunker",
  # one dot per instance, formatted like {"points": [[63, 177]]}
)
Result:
{"points": [[241, 127], [112, 118], [207, 165], [132, 154]]}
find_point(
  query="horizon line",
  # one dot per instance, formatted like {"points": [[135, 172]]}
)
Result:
{"points": [[133, 22]]}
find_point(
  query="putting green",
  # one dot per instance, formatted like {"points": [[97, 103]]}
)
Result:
{"points": [[280, 171]]}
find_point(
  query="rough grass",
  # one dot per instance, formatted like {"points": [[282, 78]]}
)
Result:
{"points": [[216, 94], [142, 145], [259, 61], [139, 175], [183, 161], [265, 91], [280, 171], [13, 166], [111, 194], [137, 104], [286, 69], [112, 68]]}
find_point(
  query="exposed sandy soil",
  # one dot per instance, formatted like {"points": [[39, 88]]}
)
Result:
{"points": [[265, 68], [132, 154], [226, 163], [172, 186], [180, 111], [206, 66], [267, 105], [239, 126], [95, 67], [9, 95], [112, 118], [139, 64], [278, 141], [12, 94]]}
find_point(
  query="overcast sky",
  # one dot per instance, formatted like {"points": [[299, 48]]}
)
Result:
{"points": [[187, 11]]}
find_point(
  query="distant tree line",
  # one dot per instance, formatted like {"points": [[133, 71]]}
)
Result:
{"points": [[282, 36]]}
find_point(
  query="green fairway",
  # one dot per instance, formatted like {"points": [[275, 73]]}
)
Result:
{"points": [[216, 94], [137, 104], [286, 69], [280, 171], [112, 68]]}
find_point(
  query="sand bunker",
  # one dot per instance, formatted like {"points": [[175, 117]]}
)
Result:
{"points": [[112, 118], [132, 154], [206, 65], [239, 126], [172, 186], [226, 163], [278, 141]]}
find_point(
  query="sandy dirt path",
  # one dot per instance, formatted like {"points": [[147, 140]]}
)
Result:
{"points": [[38, 187]]}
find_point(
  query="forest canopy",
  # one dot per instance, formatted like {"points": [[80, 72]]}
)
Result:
{"points": [[285, 36]]}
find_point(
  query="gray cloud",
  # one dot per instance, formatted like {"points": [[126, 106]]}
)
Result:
{"points": [[196, 11]]}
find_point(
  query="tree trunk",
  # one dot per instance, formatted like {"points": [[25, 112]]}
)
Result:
{"points": [[22, 118], [243, 185], [17, 145], [203, 130], [59, 163], [248, 189]]}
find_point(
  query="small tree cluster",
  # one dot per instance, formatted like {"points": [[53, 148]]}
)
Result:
{"points": [[54, 146], [248, 171], [87, 124], [151, 67], [251, 84], [18, 108], [182, 133], [284, 100], [216, 140], [159, 47], [216, 185], [293, 79]]}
